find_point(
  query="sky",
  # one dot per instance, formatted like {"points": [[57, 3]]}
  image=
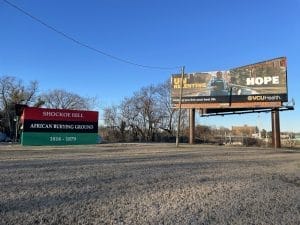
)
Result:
{"points": [[206, 35]]}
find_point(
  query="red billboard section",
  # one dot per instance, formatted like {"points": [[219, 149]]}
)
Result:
{"points": [[41, 114]]}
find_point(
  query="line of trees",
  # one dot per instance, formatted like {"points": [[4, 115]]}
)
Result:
{"points": [[13, 91], [146, 116]]}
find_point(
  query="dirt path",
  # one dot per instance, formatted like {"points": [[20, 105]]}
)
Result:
{"points": [[148, 184]]}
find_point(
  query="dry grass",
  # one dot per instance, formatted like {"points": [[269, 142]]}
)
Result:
{"points": [[148, 184]]}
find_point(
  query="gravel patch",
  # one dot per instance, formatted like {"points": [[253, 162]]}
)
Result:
{"points": [[148, 184]]}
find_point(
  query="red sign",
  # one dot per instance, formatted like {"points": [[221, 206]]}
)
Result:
{"points": [[41, 114]]}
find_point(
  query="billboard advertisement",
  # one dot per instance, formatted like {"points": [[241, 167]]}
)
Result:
{"points": [[58, 127], [259, 84]]}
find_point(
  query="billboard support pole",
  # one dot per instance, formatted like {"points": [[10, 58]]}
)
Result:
{"points": [[276, 143], [192, 126], [180, 100]]}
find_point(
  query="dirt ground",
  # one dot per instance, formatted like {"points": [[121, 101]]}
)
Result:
{"points": [[149, 184]]}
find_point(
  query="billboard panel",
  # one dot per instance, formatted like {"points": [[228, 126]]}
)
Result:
{"points": [[258, 83]]}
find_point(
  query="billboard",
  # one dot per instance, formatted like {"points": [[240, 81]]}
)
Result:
{"points": [[58, 127], [262, 84]]}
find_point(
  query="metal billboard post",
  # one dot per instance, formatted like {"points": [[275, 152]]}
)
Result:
{"points": [[192, 126], [276, 142], [180, 101]]}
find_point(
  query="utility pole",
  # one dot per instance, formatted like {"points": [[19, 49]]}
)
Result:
{"points": [[16, 119], [180, 101]]}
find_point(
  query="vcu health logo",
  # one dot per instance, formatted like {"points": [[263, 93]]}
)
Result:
{"points": [[264, 98]]}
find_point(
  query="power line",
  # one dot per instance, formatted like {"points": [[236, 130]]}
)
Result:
{"points": [[78, 42]]}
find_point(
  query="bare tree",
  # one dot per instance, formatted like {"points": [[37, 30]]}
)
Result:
{"points": [[144, 115], [61, 99], [141, 113], [167, 111], [130, 115], [115, 125], [111, 117], [12, 92]]}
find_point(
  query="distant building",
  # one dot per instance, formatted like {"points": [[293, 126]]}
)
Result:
{"points": [[244, 130], [287, 135], [297, 139]]}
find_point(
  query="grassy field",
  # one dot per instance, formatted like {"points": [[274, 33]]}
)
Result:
{"points": [[149, 184]]}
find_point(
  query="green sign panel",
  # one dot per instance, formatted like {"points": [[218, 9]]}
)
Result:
{"points": [[51, 138]]}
